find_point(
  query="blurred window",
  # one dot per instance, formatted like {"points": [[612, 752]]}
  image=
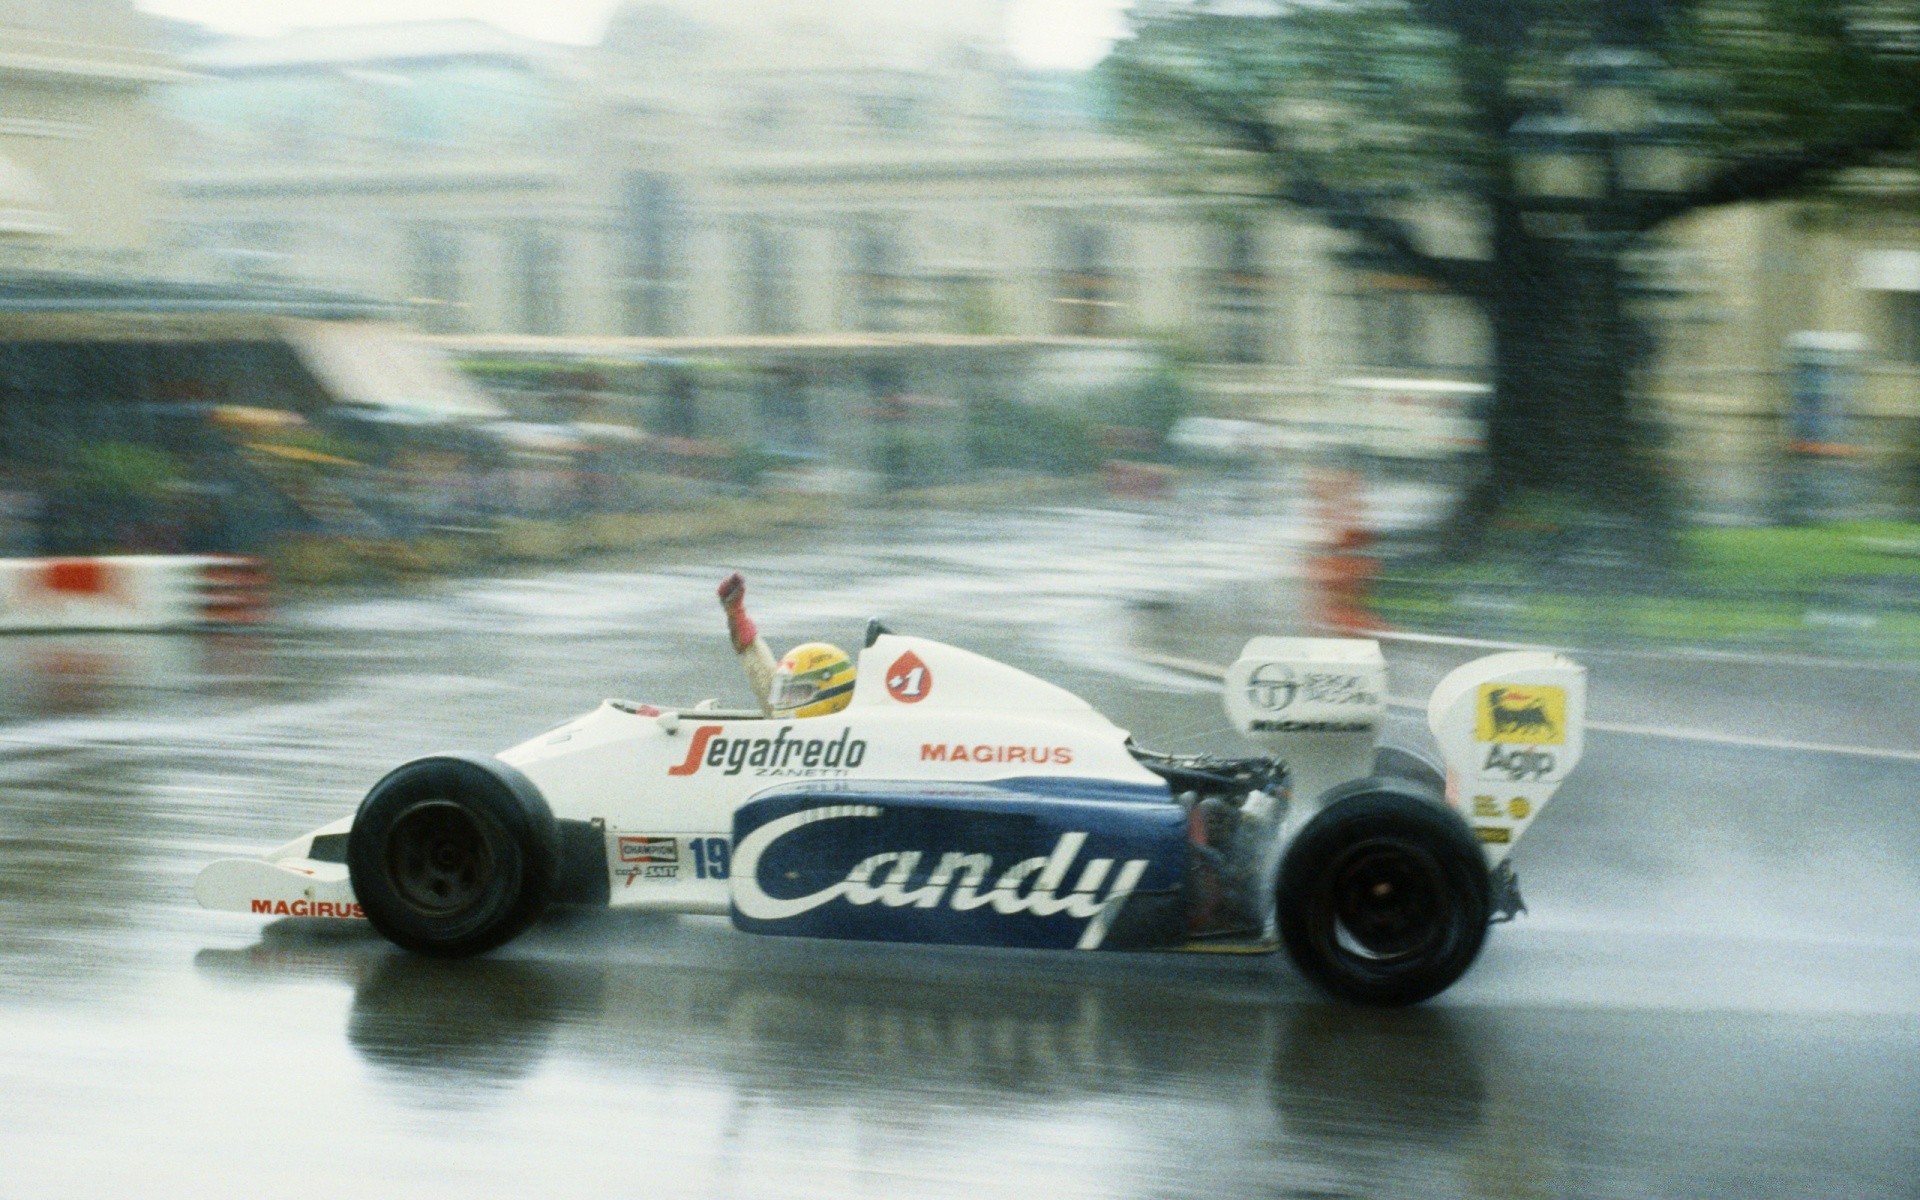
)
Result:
{"points": [[1392, 329], [786, 416], [876, 279], [1086, 293], [1241, 296], [1903, 326], [766, 283], [651, 226], [437, 278], [677, 413], [537, 274], [896, 113]]}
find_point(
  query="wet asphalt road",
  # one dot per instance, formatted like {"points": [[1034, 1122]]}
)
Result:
{"points": [[1716, 993]]}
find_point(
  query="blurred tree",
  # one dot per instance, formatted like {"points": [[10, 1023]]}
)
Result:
{"points": [[1516, 153]]}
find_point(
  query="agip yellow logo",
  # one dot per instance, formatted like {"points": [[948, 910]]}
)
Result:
{"points": [[1530, 714]]}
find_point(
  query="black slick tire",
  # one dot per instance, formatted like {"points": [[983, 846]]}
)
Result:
{"points": [[1384, 896], [1398, 762], [451, 856]]}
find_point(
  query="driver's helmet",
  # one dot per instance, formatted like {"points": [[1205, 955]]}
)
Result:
{"points": [[814, 679]]}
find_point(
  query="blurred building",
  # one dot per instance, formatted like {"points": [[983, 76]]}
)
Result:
{"points": [[850, 165], [133, 388], [794, 168], [79, 132], [447, 165], [1791, 337]]}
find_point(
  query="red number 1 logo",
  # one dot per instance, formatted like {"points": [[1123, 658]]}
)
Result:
{"points": [[908, 679]]}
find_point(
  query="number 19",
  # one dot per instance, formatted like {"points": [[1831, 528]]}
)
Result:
{"points": [[711, 857]]}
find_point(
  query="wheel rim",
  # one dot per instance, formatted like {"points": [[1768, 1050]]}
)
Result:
{"points": [[1388, 901], [438, 857]]}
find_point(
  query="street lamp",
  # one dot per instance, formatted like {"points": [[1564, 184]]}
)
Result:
{"points": [[1588, 170], [1608, 146]]}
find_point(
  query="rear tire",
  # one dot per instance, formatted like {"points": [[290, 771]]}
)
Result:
{"points": [[1397, 762], [1384, 896], [452, 857]]}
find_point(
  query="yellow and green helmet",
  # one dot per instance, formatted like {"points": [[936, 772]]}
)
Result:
{"points": [[814, 679]]}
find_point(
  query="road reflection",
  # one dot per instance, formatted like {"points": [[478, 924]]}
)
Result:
{"points": [[811, 1027], [86, 674]]}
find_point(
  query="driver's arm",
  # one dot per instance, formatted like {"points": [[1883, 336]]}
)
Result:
{"points": [[755, 658]]}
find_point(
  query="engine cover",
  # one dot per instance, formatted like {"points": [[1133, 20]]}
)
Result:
{"points": [[1043, 863]]}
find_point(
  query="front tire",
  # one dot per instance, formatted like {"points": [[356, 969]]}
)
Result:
{"points": [[1384, 896], [452, 857]]}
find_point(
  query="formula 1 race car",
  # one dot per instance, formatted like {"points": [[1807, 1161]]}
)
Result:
{"points": [[959, 800]]}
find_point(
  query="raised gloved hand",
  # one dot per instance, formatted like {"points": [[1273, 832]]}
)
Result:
{"points": [[733, 598]]}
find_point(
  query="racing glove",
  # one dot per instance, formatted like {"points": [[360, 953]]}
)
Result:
{"points": [[755, 658]]}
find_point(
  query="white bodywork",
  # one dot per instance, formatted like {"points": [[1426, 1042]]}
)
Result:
{"points": [[1316, 703], [1511, 728], [662, 785]]}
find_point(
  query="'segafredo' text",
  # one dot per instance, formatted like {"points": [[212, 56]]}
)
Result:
{"points": [[779, 754]]}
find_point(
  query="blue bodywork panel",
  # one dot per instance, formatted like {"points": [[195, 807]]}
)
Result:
{"points": [[1043, 863]]}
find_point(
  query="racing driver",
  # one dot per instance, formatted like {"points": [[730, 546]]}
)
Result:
{"points": [[814, 679]]}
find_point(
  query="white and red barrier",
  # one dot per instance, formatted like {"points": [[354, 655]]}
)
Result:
{"points": [[147, 591]]}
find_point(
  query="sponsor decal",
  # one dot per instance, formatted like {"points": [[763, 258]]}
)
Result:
{"points": [[958, 752], [1490, 808], [779, 754], [1274, 687], [1309, 726], [1271, 686], [1493, 835], [908, 679], [1517, 764], [649, 849], [1322, 688], [650, 871], [307, 908], [1523, 714], [957, 880]]}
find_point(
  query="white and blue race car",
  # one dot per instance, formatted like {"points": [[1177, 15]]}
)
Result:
{"points": [[959, 800]]}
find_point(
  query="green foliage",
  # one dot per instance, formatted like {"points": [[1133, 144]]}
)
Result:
{"points": [[1009, 436], [1361, 92], [1385, 99], [122, 471], [1815, 588], [1156, 402], [1805, 555], [746, 465], [1383, 118]]}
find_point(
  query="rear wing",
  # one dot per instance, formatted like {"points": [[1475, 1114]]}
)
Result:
{"points": [[1511, 729]]}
